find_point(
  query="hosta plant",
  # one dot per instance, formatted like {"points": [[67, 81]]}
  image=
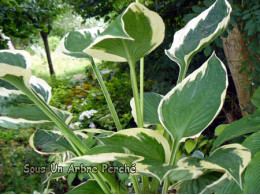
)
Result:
{"points": [[143, 154]]}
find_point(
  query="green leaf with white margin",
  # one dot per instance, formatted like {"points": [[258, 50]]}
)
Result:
{"points": [[245, 125], [252, 175], [253, 143], [52, 142], [203, 184], [161, 171], [88, 187], [74, 42], [15, 65], [142, 142], [198, 33], [18, 111], [134, 34], [151, 103], [93, 160], [232, 158], [194, 103]]}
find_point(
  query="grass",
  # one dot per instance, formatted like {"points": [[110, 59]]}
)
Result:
{"points": [[62, 66]]}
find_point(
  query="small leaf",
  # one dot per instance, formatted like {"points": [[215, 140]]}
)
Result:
{"points": [[190, 145], [220, 128]]}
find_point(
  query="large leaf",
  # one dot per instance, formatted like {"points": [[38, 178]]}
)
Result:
{"points": [[247, 124], [17, 110], [202, 184], [174, 172], [151, 103], [198, 33], [252, 175], [133, 34], [232, 159], [194, 103], [74, 42], [93, 160], [143, 142], [253, 143], [52, 142], [16, 65], [88, 187]]}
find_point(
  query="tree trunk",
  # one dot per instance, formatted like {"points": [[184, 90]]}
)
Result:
{"points": [[48, 53], [9, 42], [236, 52]]}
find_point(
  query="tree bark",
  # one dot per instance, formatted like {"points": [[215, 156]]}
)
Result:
{"points": [[236, 52], [48, 53], [9, 42]]}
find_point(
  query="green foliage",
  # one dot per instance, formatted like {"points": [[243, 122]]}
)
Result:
{"points": [[15, 153], [81, 92], [30, 16]]}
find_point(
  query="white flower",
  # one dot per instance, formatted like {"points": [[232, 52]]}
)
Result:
{"points": [[69, 107], [92, 126], [74, 125], [87, 113]]}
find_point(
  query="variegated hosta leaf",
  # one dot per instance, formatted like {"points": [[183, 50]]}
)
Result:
{"points": [[207, 183], [247, 124], [194, 103], [17, 110], [15, 65], [151, 103], [143, 142], [174, 172], [74, 42], [133, 35], [232, 159], [94, 159], [88, 187], [198, 33], [41, 87], [52, 142]]}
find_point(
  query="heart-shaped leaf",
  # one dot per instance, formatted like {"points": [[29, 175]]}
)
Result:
{"points": [[133, 35], [193, 104], [74, 42], [142, 142]]}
